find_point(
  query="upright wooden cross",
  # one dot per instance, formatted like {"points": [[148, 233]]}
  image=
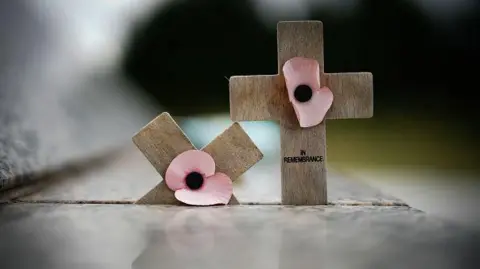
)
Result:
{"points": [[162, 140], [258, 98]]}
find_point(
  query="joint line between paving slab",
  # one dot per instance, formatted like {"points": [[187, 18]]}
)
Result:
{"points": [[112, 202]]}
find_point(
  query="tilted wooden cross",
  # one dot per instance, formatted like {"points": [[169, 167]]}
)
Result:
{"points": [[258, 98], [162, 140]]}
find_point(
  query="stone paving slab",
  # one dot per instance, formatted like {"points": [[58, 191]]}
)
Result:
{"points": [[55, 236], [128, 176]]}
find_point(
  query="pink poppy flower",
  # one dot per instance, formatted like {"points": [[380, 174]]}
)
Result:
{"points": [[191, 175], [310, 101]]}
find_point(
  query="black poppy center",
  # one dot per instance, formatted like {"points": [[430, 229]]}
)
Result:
{"points": [[194, 180], [303, 93]]}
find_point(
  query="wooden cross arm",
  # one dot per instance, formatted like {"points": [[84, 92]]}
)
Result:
{"points": [[162, 140], [352, 95], [256, 98], [259, 98], [233, 151]]}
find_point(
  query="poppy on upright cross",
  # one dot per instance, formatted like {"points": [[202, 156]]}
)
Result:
{"points": [[301, 96], [194, 177]]}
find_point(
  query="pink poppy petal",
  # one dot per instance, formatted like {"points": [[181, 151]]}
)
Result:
{"points": [[217, 189], [313, 112], [186, 162], [302, 71]]}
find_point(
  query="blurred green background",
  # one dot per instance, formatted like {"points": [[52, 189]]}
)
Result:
{"points": [[422, 58]]}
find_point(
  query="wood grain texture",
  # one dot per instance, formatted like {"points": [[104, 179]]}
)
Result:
{"points": [[162, 140], [261, 98], [266, 98], [233, 151], [303, 183], [300, 39], [353, 95], [258, 98]]}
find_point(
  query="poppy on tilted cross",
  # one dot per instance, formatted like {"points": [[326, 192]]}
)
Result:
{"points": [[186, 171]]}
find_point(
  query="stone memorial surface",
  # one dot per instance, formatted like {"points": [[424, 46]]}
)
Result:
{"points": [[136, 236]]}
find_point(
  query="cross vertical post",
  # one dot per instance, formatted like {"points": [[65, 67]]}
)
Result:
{"points": [[303, 183], [266, 98]]}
